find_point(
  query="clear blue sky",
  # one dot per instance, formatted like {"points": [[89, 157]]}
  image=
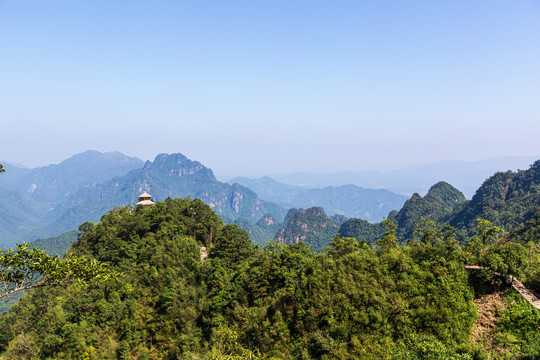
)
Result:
{"points": [[254, 87]]}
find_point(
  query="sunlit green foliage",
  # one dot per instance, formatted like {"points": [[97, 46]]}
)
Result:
{"points": [[352, 300], [312, 226], [361, 230], [25, 268], [505, 199], [528, 231], [517, 332]]}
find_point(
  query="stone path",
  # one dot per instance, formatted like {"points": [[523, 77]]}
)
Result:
{"points": [[516, 284]]}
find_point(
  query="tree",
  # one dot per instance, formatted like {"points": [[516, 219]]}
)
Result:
{"points": [[233, 246], [27, 268], [2, 168], [342, 246], [488, 232], [389, 240]]}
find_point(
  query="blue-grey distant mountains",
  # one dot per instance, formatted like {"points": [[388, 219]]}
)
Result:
{"points": [[464, 175], [48, 201], [167, 176], [347, 200], [28, 197], [54, 184]]}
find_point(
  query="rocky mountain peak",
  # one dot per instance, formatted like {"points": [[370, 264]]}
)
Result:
{"points": [[179, 165], [316, 211]]}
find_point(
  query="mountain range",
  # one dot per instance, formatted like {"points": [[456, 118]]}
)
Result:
{"points": [[464, 175], [347, 200], [48, 201], [509, 200]]}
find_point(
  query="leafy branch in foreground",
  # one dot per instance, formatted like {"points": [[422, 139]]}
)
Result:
{"points": [[26, 268]]}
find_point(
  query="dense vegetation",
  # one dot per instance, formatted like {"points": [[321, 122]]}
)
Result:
{"points": [[437, 205], [506, 199], [56, 245], [311, 226], [361, 230], [390, 294], [350, 301]]}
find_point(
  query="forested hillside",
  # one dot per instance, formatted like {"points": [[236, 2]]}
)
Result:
{"points": [[352, 300], [441, 199], [506, 199], [311, 226], [283, 301]]}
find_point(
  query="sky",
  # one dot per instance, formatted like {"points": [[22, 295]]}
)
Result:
{"points": [[259, 87]]}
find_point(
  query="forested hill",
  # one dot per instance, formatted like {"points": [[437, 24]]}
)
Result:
{"points": [[506, 199], [311, 226], [283, 302], [441, 199]]}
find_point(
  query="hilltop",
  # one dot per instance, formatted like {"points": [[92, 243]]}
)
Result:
{"points": [[280, 302]]}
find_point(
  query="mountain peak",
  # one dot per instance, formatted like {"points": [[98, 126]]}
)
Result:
{"points": [[444, 194], [179, 165]]}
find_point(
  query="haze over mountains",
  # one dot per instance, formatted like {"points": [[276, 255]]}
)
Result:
{"points": [[347, 200], [41, 203], [467, 176], [509, 200], [50, 200]]}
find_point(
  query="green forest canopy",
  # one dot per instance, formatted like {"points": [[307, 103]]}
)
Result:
{"points": [[351, 301]]}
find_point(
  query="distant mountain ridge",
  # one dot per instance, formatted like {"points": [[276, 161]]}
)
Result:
{"points": [[44, 202], [464, 175], [347, 200], [510, 200], [47, 201], [28, 196], [55, 183], [169, 176]]}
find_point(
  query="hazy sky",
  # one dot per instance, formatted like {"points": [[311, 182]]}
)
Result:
{"points": [[254, 87]]}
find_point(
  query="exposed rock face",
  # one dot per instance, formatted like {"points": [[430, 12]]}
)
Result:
{"points": [[267, 220], [179, 165]]}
